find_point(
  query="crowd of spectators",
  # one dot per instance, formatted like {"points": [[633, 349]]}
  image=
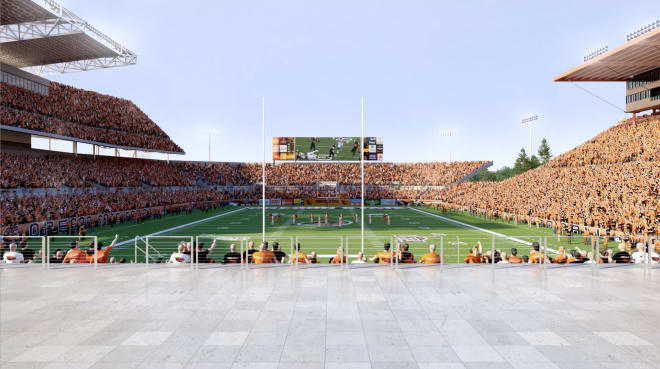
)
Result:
{"points": [[28, 209], [53, 171], [611, 183], [625, 197], [404, 174], [82, 114], [630, 140], [149, 183]]}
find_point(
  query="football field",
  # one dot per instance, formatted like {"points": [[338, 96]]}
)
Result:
{"points": [[342, 153], [453, 234]]}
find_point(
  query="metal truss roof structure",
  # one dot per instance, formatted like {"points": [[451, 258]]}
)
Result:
{"points": [[50, 39]]}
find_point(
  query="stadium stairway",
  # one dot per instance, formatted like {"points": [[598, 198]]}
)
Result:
{"points": [[474, 173]]}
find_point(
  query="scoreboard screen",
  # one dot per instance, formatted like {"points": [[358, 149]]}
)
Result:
{"points": [[284, 148], [373, 149], [326, 148]]}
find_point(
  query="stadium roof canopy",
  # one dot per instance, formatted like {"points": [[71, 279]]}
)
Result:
{"points": [[636, 56], [45, 38]]}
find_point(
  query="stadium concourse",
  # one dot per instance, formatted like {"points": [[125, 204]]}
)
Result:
{"points": [[329, 318]]}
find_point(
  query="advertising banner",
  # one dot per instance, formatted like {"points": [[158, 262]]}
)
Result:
{"points": [[327, 202]]}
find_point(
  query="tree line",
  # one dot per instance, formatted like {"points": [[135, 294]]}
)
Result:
{"points": [[523, 163]]}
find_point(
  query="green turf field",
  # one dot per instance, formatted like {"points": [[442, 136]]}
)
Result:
{"points": [[418, 227], [303, 145]]}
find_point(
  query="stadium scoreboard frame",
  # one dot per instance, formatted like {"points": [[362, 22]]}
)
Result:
{"points": [[327, 149]]}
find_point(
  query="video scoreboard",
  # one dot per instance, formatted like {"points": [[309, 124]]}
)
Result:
{"points": [[326, 149]]}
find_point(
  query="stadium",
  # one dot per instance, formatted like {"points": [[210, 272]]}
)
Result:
{"points": [[116, 253]]}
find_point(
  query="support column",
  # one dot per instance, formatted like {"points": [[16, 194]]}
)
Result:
{"points": [[75, 148]]}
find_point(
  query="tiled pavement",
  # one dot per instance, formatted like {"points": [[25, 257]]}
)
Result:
{"points": [[427, 318]]}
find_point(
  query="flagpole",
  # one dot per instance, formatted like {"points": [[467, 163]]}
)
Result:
{"points": [[263, 171], [362, 172]]}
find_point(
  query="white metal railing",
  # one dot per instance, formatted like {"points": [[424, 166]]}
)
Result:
{"points": [[25, 245], [543, 252]]}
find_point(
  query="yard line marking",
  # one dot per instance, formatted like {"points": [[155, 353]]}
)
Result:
{"points": [[132, 241], [478, 228]]}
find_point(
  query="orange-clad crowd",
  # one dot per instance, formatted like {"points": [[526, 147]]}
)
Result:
{"points": [[112, 184], [610, 183], [82, 114]]}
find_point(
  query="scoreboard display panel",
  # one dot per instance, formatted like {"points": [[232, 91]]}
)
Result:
{"points": [[373, 149], [284, 148], [326, 148]]}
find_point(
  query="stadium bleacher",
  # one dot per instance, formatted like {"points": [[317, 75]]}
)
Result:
{"points": [[611, 182], [32, 184], [82, 114]]}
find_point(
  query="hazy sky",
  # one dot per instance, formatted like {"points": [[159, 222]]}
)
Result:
{"points": [[422, 66]]}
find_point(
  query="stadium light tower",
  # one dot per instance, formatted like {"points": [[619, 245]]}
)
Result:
{"points": [[449, 133], [211, 134], [529, 121]]}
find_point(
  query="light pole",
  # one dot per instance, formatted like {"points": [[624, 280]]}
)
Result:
{"points": [[211, 134], [449, 133], [529, 121]]}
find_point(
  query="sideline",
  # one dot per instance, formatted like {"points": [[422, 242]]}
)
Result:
{"points": [[131, 241], [478, 228]]}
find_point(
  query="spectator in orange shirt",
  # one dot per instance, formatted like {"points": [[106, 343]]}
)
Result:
{"points": [[431, 257], [75, 255], [535, 254], [474, 257], [514, 259], [298, 256], [562, 257], [263, 256], [102, 254], [339, 258], [385, 256]]}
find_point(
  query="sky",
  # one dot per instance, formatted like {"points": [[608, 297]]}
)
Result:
{"points": [[421, 67]]}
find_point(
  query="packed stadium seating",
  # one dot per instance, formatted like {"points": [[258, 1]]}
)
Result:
{"points": [[87, 115], [82, 171], [105, 184], [611, 182], [629, 140]]}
